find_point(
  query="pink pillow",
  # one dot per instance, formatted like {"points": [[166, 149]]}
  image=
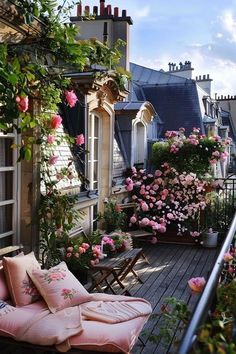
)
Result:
{"points": [[59, 287], [4, 293], [21, 288]]}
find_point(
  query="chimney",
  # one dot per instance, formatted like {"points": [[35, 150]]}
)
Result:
{"points": [[87, 10], [79, 9], [102, 7], [116, 11], [108, 26], [182, 70], [205, 83], [95, 10], [109, 10]]}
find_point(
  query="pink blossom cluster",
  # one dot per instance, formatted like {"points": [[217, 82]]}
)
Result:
{"points": [[167, 197], [83, 254], [212, 146]]}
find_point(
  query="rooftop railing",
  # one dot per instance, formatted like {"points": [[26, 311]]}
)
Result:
{"points": [[204, 305]]}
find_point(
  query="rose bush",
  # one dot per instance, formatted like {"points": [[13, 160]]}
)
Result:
{"points": [[168, 197]]}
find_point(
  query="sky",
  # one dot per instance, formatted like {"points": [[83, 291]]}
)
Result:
{"points": [[202, 31]]}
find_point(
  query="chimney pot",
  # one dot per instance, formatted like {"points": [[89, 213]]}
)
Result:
{"points": [[87, 10], [222, 97], [204, 77], [79, 10], [102, 8], [235, 97], [124, 13], [200, 77], [225, 97], [95, 10], [208, 76], [109, 9], [116, 11], [228, 96]]}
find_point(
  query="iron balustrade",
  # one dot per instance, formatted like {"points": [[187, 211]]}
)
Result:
{"points": [[203, 307]]}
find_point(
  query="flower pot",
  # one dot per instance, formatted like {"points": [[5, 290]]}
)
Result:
{"points": [[210, 239]]}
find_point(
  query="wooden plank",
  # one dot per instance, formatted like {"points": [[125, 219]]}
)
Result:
{"points": [[10, 249]]}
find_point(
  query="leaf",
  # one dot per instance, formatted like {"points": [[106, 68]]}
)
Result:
{"points": [[13, 78], [28, 154]]}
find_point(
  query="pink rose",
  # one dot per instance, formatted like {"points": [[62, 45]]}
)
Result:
{"points": [[22, 103], [56, 121], [197, 284], [144, 206], [153, 240], [85, 245], [71, 98], [129, 187], [228, 257], [144, 222], [69, 249], [79, 139], [133, 219], [53, 160], [51, 139]]}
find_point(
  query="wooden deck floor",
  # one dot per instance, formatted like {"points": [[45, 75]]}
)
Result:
{"points": [[171, 266]]}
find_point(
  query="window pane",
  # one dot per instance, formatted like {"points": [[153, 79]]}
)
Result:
{"points": [[6, 152], [5, 218], [6, 185], [96, 126]]}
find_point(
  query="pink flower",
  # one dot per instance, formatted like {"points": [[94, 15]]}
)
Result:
{"points": [[228, 257], [51, 139], [170, 216], [71, 98], [129, 187], [70, 249], [144, 222], [53, 160], [56, 121], [79, 139], [22, 103], [197, 284], [144, 206], [153, 240], [162, 229], [133, 219], [85, 245]]}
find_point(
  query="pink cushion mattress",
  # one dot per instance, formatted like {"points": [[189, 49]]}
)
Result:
{"points": [[96, 336]]}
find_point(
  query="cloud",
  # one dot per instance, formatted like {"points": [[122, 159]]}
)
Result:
{"points": [[141, 13], [228, 23]]}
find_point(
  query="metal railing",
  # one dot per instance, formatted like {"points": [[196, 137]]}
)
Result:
{"points": [[202, 309]]}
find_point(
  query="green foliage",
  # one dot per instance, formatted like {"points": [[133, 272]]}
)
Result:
{"points": [[173, 317]]}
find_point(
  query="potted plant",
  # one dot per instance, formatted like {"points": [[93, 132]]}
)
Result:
{"points": [[113, 218]]}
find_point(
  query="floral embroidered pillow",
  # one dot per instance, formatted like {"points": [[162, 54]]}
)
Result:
{"points": [[59, 287], [22, 290]]}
